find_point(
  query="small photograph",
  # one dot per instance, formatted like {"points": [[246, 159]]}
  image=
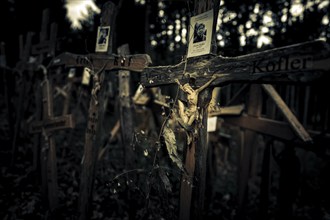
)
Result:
{"points": [[102, 39], [103, 35], [199, 32]]}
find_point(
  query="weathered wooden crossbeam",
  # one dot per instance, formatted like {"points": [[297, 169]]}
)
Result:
{"points": [[298, 63], [46, 46], [52, 124], [97, 61], [42, 47], [47, 126], [261, 125]]}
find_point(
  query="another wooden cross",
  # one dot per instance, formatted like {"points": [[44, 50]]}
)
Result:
{"points": [[47, 42], [296, 63], [42, 50], [47, 127], [99, 63]]}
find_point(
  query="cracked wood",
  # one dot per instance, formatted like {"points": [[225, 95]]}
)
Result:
{"points": [[296, 63]]}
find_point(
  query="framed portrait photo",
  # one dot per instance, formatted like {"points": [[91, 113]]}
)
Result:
{"points": [[102, 39], [200, 34]]}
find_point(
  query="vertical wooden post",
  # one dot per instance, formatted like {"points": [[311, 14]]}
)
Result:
{"points": [[193, 186], [248, 147], [24, 53], [265, 181], [49, 155], [67, 99], [306, 104], [126, 111], [94, 131], [46, 127], [48, 160]]}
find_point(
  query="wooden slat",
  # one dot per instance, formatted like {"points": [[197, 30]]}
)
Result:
{"points": [[248, 148], [296, 63], [265, 126], [228, 110], [126, 110], [238, 94], [52, 124], [96, 60], [290, 117]]}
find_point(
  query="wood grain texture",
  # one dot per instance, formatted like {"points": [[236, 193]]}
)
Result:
{"points": [[287, 113], [96, 61], [295, 63], [277, 129]]}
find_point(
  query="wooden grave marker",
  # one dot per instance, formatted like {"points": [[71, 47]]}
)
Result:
{"points": [[98, 63], [48, 39], [25, 52], [47, 127], [193, 182], [47, 43], [296, 63], [26, 68]]}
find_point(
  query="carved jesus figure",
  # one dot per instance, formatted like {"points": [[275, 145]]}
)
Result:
{"points": [[190, 113]]}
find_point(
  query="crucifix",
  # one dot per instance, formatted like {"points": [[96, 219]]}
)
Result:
{"points": [[99, 63], [296, 63], [46, 128]]}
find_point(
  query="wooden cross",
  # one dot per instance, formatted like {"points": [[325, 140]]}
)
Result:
{"points": [[296, 63], [41, 50], [47, 127], [99, 63], [48, 162], [45, 47]]}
